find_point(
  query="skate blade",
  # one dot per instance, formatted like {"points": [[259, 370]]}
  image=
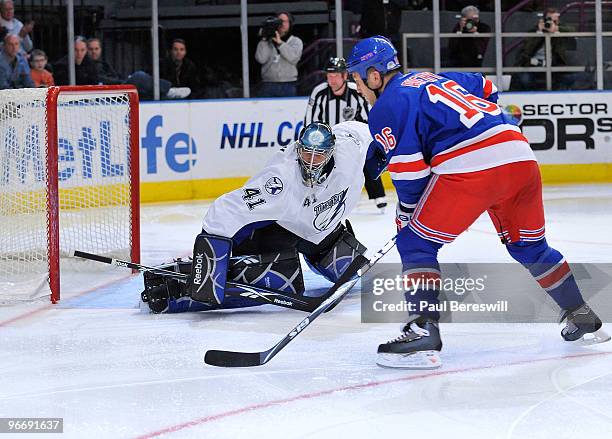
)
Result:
{"points": [[415, 360], [592, 338]]}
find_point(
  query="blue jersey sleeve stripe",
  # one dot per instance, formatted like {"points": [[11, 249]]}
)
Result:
{"points": [[410, 175], [409, 191]]}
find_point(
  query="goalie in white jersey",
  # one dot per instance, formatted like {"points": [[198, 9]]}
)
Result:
{"points": [[252, 235]]}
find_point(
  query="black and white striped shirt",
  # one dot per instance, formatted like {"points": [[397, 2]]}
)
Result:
{"points": [[324, 106]]}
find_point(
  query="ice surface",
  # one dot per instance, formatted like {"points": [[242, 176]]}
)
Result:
{"points": [[113, 371]]}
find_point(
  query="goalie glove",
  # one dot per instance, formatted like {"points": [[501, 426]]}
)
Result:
{"points": [[403, 213], [331, 263]]}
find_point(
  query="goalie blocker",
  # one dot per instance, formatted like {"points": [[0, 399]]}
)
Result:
{"points": [[212, 268]]}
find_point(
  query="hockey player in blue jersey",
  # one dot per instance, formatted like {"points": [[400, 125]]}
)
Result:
{"points": [[453, 155]]}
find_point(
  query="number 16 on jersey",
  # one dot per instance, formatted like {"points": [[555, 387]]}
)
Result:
{"points": [[470, 108]]}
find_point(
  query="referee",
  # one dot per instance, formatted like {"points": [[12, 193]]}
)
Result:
{"points": [[336, 100]]}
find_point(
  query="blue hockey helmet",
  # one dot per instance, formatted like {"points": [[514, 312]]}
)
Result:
{"points": [[315, 147], [376, 52]]}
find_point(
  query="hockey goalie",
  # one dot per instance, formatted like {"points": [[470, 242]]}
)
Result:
{"points": [[251, 237]]}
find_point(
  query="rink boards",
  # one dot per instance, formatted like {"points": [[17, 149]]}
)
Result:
{"points": [[204, 148]]}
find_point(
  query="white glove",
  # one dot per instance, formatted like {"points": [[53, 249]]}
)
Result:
{"points": [[402, 215]]}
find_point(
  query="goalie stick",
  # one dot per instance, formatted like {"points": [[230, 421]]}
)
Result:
{"points": [[338, 291], [128, 264], [238, 260], [259, 294]]}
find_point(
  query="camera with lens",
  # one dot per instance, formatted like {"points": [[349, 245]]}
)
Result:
{"points": [[548, 22], [469, 25], [269, 27]]}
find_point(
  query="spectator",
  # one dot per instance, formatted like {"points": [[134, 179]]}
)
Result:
{"points": [[14, 69], [15, 27], [85, 69], [337, 100], [468, 52], [142, 80], [533, 54], [40, 76], [278, 56], [178, 69], [106, 74]]}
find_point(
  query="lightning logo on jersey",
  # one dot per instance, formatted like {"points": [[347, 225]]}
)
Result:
{"points": [[328, 212]]}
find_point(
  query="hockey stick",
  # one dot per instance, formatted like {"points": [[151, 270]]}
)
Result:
{"points": [[248, 359], [266, 296], [128, 264], [238, 260]]}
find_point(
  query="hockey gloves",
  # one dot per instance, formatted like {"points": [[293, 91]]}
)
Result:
{"points": [[402, 215], [334, 262]]}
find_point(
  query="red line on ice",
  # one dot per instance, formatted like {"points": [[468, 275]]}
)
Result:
{"points": [[264, 405]]}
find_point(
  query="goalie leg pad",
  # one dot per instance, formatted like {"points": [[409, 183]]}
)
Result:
{"points": [[336, 260], [211, 255], [279, 270]]}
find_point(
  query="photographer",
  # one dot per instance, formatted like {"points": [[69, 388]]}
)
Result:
{"points": [[468, 52], [278, 52], [533, 54]]}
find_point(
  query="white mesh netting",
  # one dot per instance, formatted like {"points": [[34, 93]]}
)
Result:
{"points": [[93, 178]]}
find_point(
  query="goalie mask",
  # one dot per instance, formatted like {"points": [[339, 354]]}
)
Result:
{"points": [[315, 149]]}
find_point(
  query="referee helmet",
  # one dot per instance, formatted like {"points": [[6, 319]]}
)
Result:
{"points": [[335, 65]]}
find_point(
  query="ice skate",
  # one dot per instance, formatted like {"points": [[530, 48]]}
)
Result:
{"points": [[417, 348], [582, 326]]}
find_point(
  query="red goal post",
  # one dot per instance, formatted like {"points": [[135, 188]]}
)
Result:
{"points": [[70, 166]]}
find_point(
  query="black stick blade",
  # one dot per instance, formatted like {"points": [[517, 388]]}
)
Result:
{"points": [[234, 359]]}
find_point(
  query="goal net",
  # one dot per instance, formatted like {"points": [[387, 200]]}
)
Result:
{"points": [[68, 181]]}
